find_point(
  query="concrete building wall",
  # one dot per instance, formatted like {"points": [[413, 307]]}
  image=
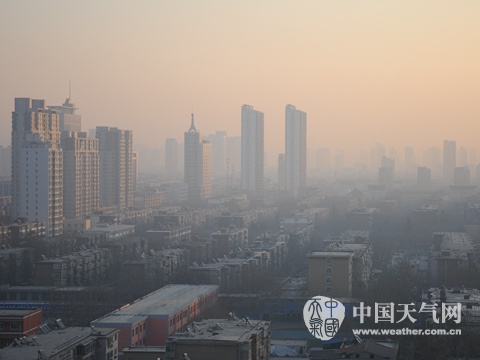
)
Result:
{"points": [[330, 274]]}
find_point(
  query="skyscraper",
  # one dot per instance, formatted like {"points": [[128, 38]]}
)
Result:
{"points": [[198, 164], [37, 164], [171, 156], [295, 150], [116, 167], [449, 160], [81, 175], [252, 150]]}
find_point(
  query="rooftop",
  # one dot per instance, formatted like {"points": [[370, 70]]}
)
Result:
{"points": [[53, 342], [229, 330], [166, 301], [336, 254], [15, 312]]}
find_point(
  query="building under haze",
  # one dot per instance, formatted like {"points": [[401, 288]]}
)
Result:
{"points": [[171, 156], [219, 152], [81, 175], [198, 164], [424, 178], [233, 161], [449, 160], [116, 167], [252, 150], [281, 171], [5, 161], [69, 119], [37, 165], [295, 150]]}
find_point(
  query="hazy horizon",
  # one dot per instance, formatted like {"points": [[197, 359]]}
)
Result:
{"points": [[399, 74]]}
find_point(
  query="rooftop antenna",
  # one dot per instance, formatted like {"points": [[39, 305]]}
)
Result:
{"points": [[192, 125]]}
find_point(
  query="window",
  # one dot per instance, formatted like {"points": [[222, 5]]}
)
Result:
{"points": [[1, 326], [329, 260], [14, 326], [329, 270], [329, 280], [329, 289]]}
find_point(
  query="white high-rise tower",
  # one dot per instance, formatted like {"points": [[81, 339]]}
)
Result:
{"points": [[295, 150], [37, 165], [252, 150]]}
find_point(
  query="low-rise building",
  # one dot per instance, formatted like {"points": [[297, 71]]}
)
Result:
{"points": [[66, 343], [153, 318], [362, 264], [330, 273], [16, 323], [220, 339]]}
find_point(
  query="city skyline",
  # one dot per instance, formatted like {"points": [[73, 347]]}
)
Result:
{"points": [[366, 73]]}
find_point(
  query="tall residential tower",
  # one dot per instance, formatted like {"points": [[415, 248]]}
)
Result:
{"points": [[116, 167], [252, 150], [295, 150], [37, 165]]}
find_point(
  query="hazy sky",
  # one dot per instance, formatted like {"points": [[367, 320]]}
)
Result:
{"points": [[395, 72]]}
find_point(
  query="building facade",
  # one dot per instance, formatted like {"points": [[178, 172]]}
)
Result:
{"points": [[252, 150], [330, 273], [37, 164], [81, 175], [116, 167]]}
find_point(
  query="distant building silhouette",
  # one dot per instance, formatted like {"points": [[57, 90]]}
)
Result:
{"points": [[171, 156], [449, 160], [424, 178]]}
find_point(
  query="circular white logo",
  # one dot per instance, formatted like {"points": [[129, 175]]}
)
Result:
{"points": [[323, 316]]}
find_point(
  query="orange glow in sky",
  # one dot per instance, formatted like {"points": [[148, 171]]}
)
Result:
{"points": [[402, 73]]}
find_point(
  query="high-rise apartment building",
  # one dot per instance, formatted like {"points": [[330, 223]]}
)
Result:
{"points": [[252, 171], [37, 165], [171, 156], [81, 175], [295, 150], [449, 160], [198, 164], [116, 167], [135, 159]]}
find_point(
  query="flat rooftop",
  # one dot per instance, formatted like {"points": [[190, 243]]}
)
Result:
{"points": [[53, 342], [166, 301], [332, 254], [228, 330], [15, 312]]}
